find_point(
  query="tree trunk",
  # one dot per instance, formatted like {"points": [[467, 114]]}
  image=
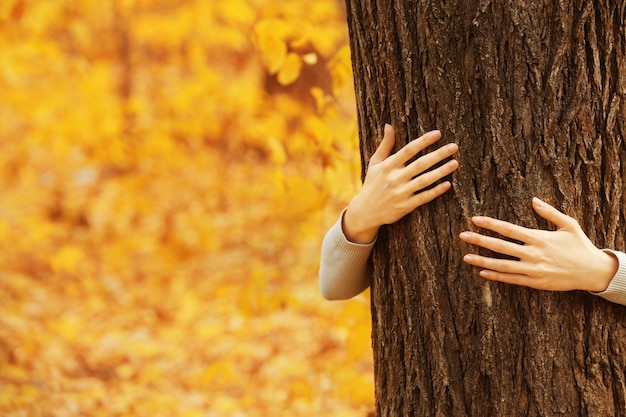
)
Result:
{"points": [[534, 93]]}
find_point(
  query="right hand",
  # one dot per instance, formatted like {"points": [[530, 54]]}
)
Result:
{"points": [[392, 188], [559, 260]]}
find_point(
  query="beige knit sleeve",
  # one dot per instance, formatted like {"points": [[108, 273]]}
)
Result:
{"points": [[344, 271], [616, 291]]}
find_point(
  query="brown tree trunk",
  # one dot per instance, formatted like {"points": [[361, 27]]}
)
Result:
{"points": [[534, 93]]}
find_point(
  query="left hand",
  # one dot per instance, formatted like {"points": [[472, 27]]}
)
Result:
{"points": [[560, 260], [394, 186]]}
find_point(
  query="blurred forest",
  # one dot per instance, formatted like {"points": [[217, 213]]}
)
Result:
{"points": [[167, 172]]}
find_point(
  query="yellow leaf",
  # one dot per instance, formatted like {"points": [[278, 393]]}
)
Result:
{"points": [[189, 307], [340, 68], [67, 259], [354, 386], [193, 413], [290, 70], [224, 406], [224, 372], [9, 371], [302, 390], [67, 327], [278, 154], [271, 44], [359, 341], [125, 371], [150, 373], [5, 229], [321, 132], [321, 99], [12, 9], [304, 195], [236, 11]]}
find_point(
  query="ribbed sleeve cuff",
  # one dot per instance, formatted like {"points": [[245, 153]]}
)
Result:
{"points": [[616, 291], [355, 252], [343, 264]]}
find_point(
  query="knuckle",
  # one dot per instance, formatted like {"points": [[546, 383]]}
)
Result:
{"points": [[514, 280], [418, 166], [392, 180], [386, 165], [443, 152], [536, 256], [396, 195], [543, 269], [427, 196], [419, 182], [438, 173], [480, 262], [409, 150], [499, 246], [507, 229]]}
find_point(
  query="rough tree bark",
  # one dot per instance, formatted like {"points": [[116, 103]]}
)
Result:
{"points": [[534, 93]]}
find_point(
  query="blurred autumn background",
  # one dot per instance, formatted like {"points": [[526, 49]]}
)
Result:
{"points": [[167, 172]]}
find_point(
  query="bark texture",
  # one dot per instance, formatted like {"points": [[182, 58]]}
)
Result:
{"points": [[534, 93]]}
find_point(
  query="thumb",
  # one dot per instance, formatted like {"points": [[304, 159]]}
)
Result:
{"points": [[385, 146], [554, 216]]}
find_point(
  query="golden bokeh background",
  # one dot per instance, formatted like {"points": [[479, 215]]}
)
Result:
{"points": [[167, 172]]}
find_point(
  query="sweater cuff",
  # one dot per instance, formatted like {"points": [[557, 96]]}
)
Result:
{"points": [[343, 271], [616, 291]]}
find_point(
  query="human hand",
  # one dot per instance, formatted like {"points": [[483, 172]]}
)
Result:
{"points": [[560, 260], [392, 187]]}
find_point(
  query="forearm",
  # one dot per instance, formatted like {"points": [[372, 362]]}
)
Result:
{"points": [[344, 271]]}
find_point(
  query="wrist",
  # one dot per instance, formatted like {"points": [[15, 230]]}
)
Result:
{"points": [[356, 227], [607, 266]]}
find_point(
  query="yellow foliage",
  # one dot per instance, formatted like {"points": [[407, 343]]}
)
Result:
{"points": [[66, 327], [340, 68], [353, 385], [67, 259], [168, 169], [290, 69], [278, 154]]}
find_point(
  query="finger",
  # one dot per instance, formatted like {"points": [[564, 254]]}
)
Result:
{"points": [[429, 195], [425, 162], [499, 265], [504, 228], [553, 215], [494, 244], [386, 145], [433, 176], [415, 146], [514, 279]]}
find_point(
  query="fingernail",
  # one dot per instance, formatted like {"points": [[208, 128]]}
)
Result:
{"points": [[464, 235], [468, 258], [538, 202]]}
